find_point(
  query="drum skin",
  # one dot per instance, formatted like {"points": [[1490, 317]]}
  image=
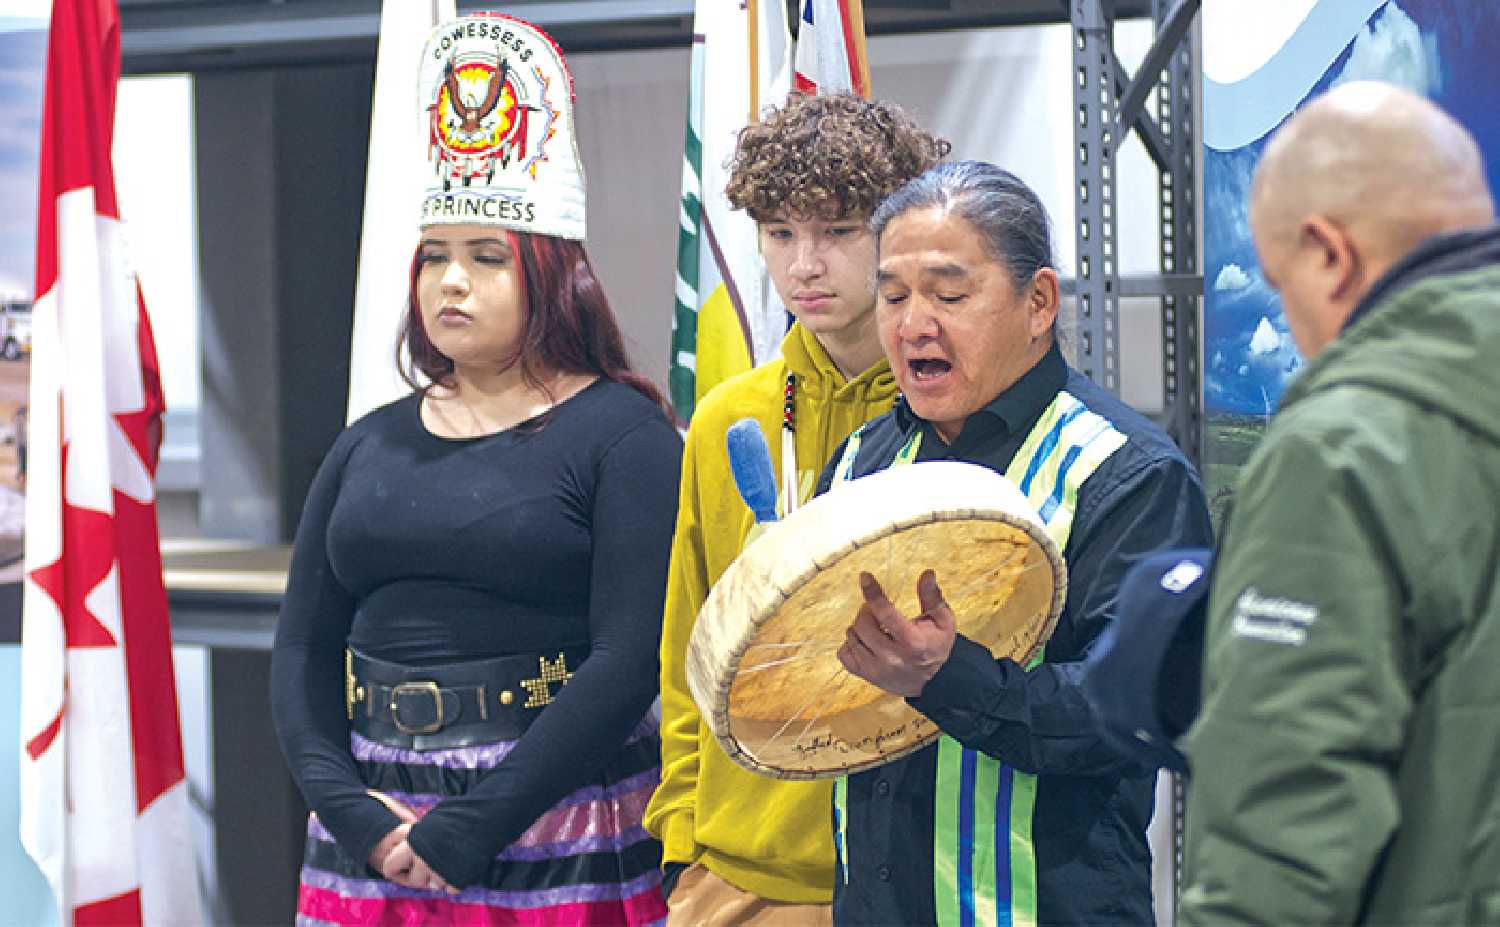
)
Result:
{"points": [[762, 663]]}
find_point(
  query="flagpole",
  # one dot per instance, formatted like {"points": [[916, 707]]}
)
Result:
{"points": [[752, 24], [854, 39], [831, 55]]}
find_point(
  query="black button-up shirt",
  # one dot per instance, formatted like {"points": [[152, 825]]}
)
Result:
{"points": [[1092, 804]]}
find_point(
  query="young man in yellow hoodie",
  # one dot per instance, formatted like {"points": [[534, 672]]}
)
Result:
{"points": [[740, 846]]}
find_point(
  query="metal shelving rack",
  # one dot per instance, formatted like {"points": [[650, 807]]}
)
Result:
{"points": [[1109, 104]]}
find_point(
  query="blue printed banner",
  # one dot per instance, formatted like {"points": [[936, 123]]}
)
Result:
{"points": [[1262, 61]]}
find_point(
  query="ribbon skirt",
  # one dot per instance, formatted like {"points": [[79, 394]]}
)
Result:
{"points": [[586, 861]]}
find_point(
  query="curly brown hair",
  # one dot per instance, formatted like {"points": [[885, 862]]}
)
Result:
{"points": [[830, 157]]}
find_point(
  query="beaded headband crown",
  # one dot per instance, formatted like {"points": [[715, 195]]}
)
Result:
{"points": [[497, 99]]}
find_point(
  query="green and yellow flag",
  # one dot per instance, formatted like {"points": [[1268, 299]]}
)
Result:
{"points": [[727, 316]]}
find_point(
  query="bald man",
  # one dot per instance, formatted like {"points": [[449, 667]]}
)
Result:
{"points": [[1346, 759]]}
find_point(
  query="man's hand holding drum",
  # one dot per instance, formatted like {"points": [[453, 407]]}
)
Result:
{"points": [[893, 652]]}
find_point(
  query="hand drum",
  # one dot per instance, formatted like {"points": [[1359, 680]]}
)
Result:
{"points": [[762, 663]]}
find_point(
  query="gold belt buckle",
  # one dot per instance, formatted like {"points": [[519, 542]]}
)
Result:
{"points": [[407, 688]]}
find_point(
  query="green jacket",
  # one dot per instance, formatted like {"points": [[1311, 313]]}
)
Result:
{"points": [[1346, 761]]}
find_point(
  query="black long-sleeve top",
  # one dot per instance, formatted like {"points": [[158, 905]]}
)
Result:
{"points": [[424, 550], [1092, 804]]}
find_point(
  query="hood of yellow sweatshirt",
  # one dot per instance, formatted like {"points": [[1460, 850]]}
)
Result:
{"points": [[807, 358]]}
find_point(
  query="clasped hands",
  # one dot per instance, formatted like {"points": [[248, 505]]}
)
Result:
{"points": [[894, 652], [394, 857]]}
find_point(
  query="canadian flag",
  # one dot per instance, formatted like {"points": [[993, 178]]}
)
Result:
{"points": [[104, 808], [831, 55]]}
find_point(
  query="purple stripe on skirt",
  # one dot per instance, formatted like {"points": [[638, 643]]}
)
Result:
{"points": [[591, 823], [645, 779], [480, 756], [538, 852], [593, 843], [539, 898]]}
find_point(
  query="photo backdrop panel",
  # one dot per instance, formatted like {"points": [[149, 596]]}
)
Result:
{"points": [[1260, 62], [23, 54]]}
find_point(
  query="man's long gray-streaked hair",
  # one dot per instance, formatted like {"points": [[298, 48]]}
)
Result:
{"points": [[1007, 214]]}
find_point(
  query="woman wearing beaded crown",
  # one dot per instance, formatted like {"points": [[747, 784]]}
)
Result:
{"points": [[467, 653]]}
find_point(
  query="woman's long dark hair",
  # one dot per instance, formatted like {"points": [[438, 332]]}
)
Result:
{"points": [[569, 327]]}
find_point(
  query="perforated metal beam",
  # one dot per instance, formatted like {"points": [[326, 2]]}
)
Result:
{"points": [[1182, 381], [1171, 28], [1108, 104], [1143, 125], [1097, 278]]}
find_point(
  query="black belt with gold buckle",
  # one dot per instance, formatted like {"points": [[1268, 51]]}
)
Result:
{"points": [[452, 705]]}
